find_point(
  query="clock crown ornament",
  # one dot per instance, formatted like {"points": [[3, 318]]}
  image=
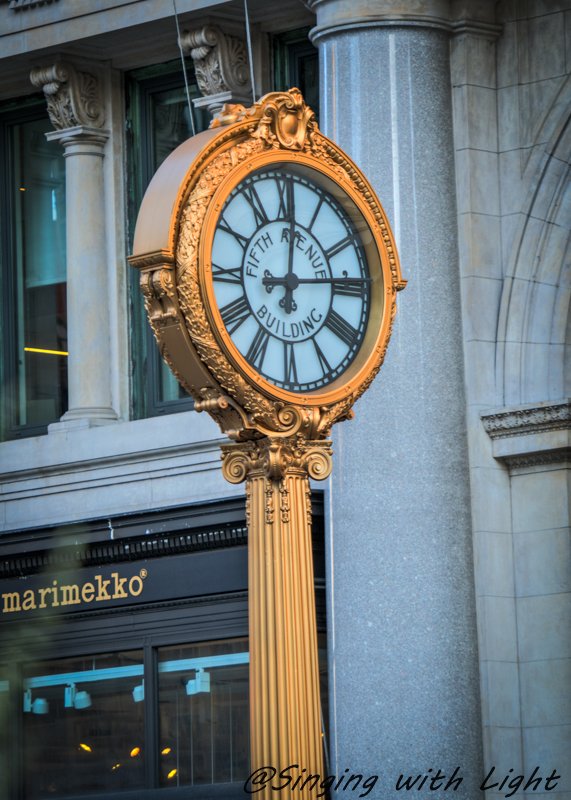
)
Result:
{"points": [[269, 271]]}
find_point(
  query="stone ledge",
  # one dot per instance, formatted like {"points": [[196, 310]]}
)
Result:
{"points": [[118, 468], [530, 435]]}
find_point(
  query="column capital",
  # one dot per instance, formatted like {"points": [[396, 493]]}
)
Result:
{"points": [[476, 17], [274, 457], [73, 97], [221, 67], [81, 139]]}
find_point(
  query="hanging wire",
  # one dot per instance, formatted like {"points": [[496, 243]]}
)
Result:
{"points": [[250, 58], [184, 69]]}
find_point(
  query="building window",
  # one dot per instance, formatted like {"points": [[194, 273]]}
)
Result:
{"points": [[296, 63], [82, 731], [158, 121], [33, 253], [84, 720], [203, 719]]}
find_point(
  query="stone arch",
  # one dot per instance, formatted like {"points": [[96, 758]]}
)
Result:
{"points": [[532, 348]]}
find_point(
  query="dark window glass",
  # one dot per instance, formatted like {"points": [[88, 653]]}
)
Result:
{"points": [[203, 713], [159, 121], [4, 732], [83, 725], [34, 358], [296, 63]]}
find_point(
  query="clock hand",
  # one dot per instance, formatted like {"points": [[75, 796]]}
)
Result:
{"points": [[342, 281], [291, 282], [287, 302]]}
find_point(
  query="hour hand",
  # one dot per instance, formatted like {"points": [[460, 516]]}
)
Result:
{"points": [[289, 282], [269, 281]]}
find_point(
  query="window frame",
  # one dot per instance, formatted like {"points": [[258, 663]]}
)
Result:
{"points": [[145, 357], [15, 112]]}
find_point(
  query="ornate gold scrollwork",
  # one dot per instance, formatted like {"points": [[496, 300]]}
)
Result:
{"points": [[274, 457], [283, 119]]}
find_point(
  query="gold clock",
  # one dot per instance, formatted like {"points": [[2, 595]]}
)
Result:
{"points": [[269, 271]]}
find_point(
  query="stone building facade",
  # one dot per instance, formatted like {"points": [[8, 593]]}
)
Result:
{"points": [[446, 569]]}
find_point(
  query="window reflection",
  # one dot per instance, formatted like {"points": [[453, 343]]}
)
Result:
{"points": [[203, 713], [171, 126], [40, 256], [4, 731], [83, 729]]}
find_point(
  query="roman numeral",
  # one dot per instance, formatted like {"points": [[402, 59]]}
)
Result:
{"points": [[290, 367], [250, 194], [348, 287], [257, 350], [286, 209], [285, 195], [336, 248], [235, 313], [341, 328], [323, 362], [222, 275], [315, 213], [223, 226]]}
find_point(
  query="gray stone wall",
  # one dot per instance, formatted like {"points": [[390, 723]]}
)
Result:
{"points": [[512, 112]]}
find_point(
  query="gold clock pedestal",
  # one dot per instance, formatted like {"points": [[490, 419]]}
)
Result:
{"points": [[285, 712], [209, 281]]}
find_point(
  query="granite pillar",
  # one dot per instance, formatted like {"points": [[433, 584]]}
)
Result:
{"points": [[404, 683]]}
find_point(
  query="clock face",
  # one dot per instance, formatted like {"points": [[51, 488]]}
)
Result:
{"points": [[290, 278]]}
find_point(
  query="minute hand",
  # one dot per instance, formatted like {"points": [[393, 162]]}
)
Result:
{"points": [[335, 280], [271, 281]]}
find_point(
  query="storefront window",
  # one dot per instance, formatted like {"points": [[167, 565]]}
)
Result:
{"points": [[203, 713], [33, 252], [83, 725], [4, 731]]}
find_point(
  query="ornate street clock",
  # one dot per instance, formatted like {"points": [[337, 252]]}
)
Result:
{"points": [[270, 278], [269, 271]]}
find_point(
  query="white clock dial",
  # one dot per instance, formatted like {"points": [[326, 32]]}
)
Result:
{"points": [[291, 279]]}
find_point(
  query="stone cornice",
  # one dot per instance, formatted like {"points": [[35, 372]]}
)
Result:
{"points": [[528, 420], [341, 16], [25, 5], [531, 436]]}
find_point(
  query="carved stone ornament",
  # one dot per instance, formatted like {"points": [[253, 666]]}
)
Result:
{"points": [[220, 61], [73, 97], [173, 250], [529, 420]]}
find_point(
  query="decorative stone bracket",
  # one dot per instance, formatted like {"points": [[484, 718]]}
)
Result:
{"points": [[221, 67], [73, 97], [531, 435]]}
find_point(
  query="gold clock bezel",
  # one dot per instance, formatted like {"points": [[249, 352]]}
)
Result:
{"points": [[377, 261]]}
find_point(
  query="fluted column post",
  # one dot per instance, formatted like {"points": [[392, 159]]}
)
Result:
{"points": [[76, 111], [285, 707]]}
